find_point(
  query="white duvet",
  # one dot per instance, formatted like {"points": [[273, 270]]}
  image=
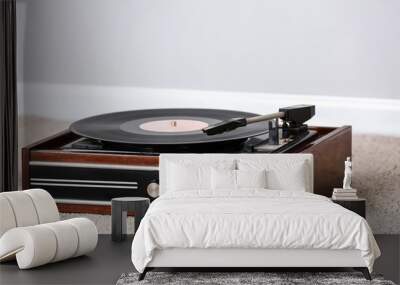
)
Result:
{"points": [[251, 219]]}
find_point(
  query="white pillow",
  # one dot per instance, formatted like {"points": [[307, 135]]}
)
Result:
{"points": [[223, 179], [185, 175], [291, 175], [293, 180], [227, 180], [251, 178]]}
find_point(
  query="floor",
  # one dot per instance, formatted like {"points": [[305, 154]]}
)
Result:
{"points": [[110, 260], [103, 266]]}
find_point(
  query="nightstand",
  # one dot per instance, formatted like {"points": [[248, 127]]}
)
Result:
{"points": [[355, 205]]}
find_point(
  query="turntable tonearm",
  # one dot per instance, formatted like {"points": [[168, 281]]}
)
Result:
{"points": [[116, 154], [293, 117]]}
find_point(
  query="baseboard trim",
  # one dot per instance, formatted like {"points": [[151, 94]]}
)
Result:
{"points": [[68, 102]]}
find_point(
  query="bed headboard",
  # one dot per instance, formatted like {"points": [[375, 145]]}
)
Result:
{"points": [[206, 159]]}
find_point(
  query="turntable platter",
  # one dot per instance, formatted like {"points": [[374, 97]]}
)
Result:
{"points": [[164, 127]]}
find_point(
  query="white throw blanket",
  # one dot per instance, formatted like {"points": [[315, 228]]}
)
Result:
{"points": [[251, 219]]}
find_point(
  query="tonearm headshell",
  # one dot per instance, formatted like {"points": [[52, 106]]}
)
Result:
{"points": [[291, 131]]}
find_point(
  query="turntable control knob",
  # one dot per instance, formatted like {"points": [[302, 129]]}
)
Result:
{"points": [[153, 189]]}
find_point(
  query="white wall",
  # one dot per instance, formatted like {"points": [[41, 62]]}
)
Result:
{"points": [[341, 55]]}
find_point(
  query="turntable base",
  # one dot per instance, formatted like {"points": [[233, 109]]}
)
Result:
{"points": [[85, 181]]}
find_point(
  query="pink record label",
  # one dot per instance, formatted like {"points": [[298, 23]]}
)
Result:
{"points": [[173, 126]]}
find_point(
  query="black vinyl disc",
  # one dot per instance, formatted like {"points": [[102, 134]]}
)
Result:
{"points": [[164, 127]]}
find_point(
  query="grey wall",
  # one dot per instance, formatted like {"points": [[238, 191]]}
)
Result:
{"points": [[341, 47]]}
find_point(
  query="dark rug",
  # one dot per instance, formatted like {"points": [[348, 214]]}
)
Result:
{"points": [[273, 278]]}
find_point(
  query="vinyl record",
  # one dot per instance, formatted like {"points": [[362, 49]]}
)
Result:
{"points": [[164, 127]]}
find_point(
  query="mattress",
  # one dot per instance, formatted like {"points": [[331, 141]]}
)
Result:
{"points": [[266, 219]]}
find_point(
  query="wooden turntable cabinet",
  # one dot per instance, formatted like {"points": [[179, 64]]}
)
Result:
{"points": [[83, 175]]}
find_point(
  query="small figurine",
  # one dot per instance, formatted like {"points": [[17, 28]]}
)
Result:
{"points": [[347, 174]]}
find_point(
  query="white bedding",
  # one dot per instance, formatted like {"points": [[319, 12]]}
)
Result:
{"points": [[251, 219]]}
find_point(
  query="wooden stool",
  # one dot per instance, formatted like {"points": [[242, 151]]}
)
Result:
{"points": [[119, 210]]}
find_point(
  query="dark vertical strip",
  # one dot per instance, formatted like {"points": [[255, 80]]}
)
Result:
{"points": [[8, 100]]}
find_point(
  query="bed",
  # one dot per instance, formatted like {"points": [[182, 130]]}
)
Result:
{"points": [[247, 210]]}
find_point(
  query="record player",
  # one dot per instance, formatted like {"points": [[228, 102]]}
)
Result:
{"points": [[116, 154]]}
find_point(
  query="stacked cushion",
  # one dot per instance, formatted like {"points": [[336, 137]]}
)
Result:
{"points": [[7, 220], [45, 205], [26, 208], [256, 178], [290, 175], [31, 232], [234, 180], [226, 174], [41, 244], [184, 175]]}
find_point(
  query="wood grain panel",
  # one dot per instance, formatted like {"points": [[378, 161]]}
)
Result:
{"points": [[72, 157], [86, 209], [330, 152]]}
